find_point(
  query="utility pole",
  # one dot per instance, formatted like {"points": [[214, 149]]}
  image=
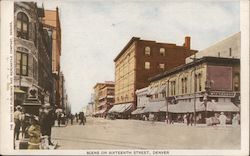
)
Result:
{"points": [[167, 114], [195, 87]]}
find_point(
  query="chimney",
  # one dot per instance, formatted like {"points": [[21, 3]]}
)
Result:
{"points": [[187, 42]]}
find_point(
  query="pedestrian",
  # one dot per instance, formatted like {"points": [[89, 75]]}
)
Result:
{"points": [[191, 119], [24, 123], [59, 118], [188, 119], [47, 121], [81, 117], [238, 118], [222, 118], [76, 116], [71, 118], [17, 121], [234, 120], [185, 118], [34, 134]]}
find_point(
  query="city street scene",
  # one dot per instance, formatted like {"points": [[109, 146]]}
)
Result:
{"points": [[127, 75]]}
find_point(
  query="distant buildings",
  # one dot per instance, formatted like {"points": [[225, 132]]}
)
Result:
{"points": [[141, 59], [103, 97]]}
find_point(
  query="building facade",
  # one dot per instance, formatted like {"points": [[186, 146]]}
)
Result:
{"points": [[52, 20], [203, 87], [32, 52], [105, 100], [141, 59], [228, 48]]}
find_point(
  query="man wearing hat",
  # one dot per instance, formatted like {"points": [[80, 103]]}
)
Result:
{"points": [[17, 121], [46, 121]]}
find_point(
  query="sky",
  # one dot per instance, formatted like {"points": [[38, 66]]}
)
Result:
{"points": [[94, 32]]}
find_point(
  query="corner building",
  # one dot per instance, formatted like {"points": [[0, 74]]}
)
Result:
{"points": [[139, 60]]}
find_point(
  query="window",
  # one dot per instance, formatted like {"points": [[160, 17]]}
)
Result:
{"points": [[147, 50], [162, 51], [147, 65], [185, 85], [22, 63], [218, 54], [22, 25], [172, 84], [162, 66], [199, 83], [236, 80], [195, 82]]}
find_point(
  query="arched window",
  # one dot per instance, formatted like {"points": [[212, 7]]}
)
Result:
{"points": [[147, 50], [22, 25]]}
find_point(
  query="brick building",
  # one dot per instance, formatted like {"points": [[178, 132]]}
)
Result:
{"points": [[52, 20], [141, 59]]}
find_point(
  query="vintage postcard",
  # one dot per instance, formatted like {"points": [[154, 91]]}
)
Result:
{"points": [[124, 77]]}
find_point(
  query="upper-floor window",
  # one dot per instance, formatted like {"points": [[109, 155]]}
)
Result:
{"points": [[162, 51], [230, 51], [236, 80], [199, 81], [22, 25], [147, 65], [21, 63], [172, 87], [162, 66], [147, 50]]}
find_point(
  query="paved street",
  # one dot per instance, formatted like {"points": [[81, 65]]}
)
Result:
{"points": [[101, 133]]}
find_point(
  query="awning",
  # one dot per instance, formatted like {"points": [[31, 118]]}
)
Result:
{"points": [[154, 106], [152, 91], [120, 108], [138, 110], [184, 107], [162, 89], [101, 111], [101, 104], [222, 107], [17, 90]]}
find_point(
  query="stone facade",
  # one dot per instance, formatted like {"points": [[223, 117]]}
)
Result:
{"points": [[228, 48]]}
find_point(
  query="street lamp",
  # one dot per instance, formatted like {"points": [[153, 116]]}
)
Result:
{"points": [[206, 94], [195, 87]]}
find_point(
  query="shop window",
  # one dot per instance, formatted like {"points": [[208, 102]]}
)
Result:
{"points": [[147, 65], [147, 51], [22, 25], [21, 63], [162, 51]]}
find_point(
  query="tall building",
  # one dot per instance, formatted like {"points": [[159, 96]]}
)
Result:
{"points": [[32, 52], [52, 20], [103, 97], [141, 59]]}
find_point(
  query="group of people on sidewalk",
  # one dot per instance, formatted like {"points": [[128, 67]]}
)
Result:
{"points": [[35, 129]]}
